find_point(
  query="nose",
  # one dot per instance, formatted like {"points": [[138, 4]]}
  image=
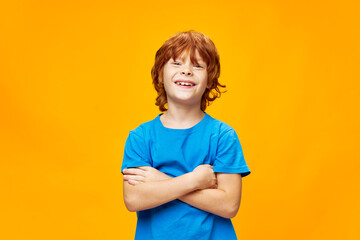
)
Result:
{"points": [[186, 70]]}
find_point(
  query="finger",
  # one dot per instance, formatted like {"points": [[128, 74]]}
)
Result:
{"points": [[214, 186], [133, 171], [133, 182], [134, 177], [208, 165], [144, 168]]}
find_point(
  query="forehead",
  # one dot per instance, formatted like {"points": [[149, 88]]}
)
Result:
{"points": [[186, 54]]}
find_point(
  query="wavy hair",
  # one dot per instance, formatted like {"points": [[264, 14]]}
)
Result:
{"points": [[188, 41]]}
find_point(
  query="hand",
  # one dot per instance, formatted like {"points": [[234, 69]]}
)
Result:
{"points": [[143, 174], [205, 176]]}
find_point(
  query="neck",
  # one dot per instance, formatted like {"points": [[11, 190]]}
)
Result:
{"points": [[183, 115]]}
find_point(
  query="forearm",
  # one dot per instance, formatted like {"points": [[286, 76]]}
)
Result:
{"points": [[154, 193], [150, 188], [215, 201]]}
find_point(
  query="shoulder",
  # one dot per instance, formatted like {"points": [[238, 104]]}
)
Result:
{"points": [[221, 128], [142, 129]]}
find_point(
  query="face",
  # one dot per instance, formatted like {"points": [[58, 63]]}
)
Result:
{"points": [[185, 82]]}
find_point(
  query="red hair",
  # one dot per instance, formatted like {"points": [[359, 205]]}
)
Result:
{"points": [[188, 41]]}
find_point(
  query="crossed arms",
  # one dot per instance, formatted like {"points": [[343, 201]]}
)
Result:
{"points": [[217, 193]]}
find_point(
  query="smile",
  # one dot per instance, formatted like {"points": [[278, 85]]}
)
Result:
{"points": [[184, 85]]}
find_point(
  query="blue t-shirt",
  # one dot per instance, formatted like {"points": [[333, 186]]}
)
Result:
{"points": [[176, 152]]}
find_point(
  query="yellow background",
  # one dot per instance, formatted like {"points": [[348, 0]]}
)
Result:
{"points": [[75, 79]]}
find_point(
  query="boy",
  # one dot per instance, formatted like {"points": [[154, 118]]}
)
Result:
{"points": [[183, 170]]}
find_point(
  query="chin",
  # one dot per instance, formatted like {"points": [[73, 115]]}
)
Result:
{"points": [[188, 101]]}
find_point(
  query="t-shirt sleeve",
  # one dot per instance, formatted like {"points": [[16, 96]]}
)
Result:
{"points": [[229, 157], [135, 151]]}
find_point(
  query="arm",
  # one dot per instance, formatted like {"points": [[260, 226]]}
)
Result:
{"points": [[151, 194], [223, 201]]}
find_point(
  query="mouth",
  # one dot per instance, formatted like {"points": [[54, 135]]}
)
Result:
{"points": [[184, 83]]}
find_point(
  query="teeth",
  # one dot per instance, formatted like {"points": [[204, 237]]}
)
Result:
{"points": [[184, 84]]}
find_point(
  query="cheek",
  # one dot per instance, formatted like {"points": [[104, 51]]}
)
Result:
{"points": [[167, 79], [168, 73], [205, 79]]}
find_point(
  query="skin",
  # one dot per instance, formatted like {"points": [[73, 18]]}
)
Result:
{"points": [[221, 198], [146, 187], [184, 104]]}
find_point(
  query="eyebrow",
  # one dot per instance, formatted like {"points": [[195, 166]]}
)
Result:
{"points": [[197, 59]]}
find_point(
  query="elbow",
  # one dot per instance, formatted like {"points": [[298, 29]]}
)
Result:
{"points": [[131, 201], [131, 198], [232, 213], [231, 210], [229, 214], [130, 206]]}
